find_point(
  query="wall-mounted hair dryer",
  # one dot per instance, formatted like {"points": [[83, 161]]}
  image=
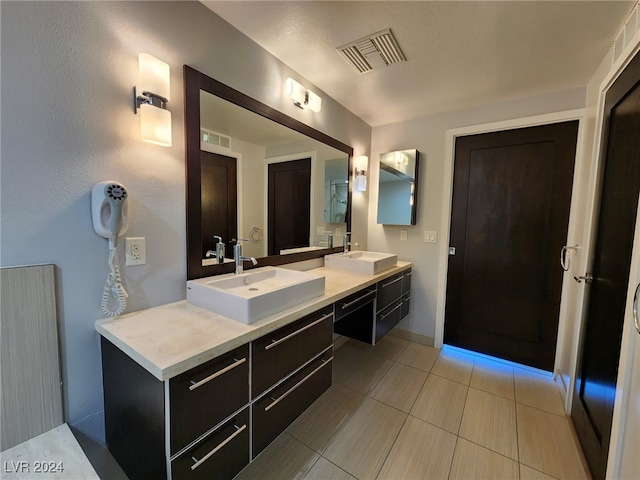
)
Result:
{"points": [[110, 211], [110, 215]]}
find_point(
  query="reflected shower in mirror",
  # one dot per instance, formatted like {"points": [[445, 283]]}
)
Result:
{"points": [[398, 187], [336, 190], [255, 173]]}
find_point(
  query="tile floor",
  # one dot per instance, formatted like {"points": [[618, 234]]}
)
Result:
{"points": [[402, 410]]}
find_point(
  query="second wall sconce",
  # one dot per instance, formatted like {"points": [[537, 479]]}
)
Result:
{"points": [[302, 97], [153, 84], [361, 173]]}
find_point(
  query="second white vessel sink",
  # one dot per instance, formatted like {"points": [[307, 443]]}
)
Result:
{"points": [[370, 263], [255, 294]]}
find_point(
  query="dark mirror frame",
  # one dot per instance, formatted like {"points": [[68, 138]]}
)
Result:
{"points": [[415, 179], [194, 81]]}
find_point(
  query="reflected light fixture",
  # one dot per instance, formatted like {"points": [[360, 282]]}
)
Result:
{"points": [[153, 85], [302, 97], [361, 173]]}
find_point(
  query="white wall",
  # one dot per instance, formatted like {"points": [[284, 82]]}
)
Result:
{"points": [[428, 135], [68, 69]]}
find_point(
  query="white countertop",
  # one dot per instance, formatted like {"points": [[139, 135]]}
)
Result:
{"points": [[55, 454], [171, 339]]}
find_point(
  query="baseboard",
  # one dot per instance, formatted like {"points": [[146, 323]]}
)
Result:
{"points": [[412, 336]]}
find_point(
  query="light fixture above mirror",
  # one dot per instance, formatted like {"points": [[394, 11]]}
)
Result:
{"points": [[302, 97]]}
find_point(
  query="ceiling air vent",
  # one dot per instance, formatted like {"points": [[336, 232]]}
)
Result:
{"points": [[372, 52]]}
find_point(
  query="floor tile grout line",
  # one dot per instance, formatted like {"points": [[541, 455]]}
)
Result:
{"points": [[392, 445]]}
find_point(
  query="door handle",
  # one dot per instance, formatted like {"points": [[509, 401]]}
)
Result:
{"points": [[588, 278], [565, 257], [635, 308]]}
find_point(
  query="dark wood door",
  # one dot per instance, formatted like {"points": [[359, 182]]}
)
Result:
{"points": [[289, 205], [594, 395], [219, 201], [509, 219]]}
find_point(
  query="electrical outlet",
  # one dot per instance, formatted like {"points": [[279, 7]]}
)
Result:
{"points": [[135, 251], [430, 236], [403, 235], [338, 232]]}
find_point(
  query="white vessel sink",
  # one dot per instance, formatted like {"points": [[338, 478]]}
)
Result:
{"points": [[361, 262], [255, 294]]}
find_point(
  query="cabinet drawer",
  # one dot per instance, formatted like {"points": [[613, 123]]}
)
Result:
{"points": [[389, 290], [220, 455], [388, 318], [406, 305], [353, 302], [204, 396], [406, 281], [273, 413], [279, 353]]}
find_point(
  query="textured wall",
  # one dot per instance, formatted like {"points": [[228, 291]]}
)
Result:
{"points": [[68, 69]]}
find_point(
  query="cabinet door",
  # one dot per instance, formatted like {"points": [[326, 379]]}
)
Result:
{"points": [[388, 318], [406, 281], [281, 352], [220, 455], [389, 290], [204, 396], [273, 413], [406, 305], [354, 301]]}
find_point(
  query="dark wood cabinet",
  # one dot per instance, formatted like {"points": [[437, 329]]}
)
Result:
{"points": [[200, 424], [222, 382], [274, 411], [222, 454], [368, 315], [281, 352]]}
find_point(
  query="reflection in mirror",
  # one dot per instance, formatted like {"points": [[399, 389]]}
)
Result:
{"points": [[260, 176], [336, 190], [398, 187], [282, 178]]}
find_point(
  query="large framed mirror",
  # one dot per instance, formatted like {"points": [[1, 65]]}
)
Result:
{"points": [[253, 172]]}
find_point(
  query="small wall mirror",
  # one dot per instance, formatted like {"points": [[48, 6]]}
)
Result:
{"points": [[398, 187]]}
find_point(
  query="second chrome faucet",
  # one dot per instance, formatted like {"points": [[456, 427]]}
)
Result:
{"points": [[239, 258]]}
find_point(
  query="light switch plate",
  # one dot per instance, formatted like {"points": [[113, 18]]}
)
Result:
{"points": [[430, 236], [403, 235]]}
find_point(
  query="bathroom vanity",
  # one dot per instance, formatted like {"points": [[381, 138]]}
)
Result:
{"points": [[193, 394]]}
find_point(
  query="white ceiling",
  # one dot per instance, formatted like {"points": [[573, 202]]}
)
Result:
{"points": [[460, 54]]}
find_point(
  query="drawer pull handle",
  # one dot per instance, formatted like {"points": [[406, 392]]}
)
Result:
{"points": [[195, 384], [393, 310], [285, 394], [291, 335], [385, 285], [408, 274], [347, 305], [238, 431]]}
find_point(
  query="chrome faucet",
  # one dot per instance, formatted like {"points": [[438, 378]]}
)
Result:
{"points": [[329, 241], [237, 253], [346, 242], [219, 253]]}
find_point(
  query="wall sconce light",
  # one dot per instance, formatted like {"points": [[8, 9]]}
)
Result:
{"points": [[361, 173], [153, 83], [302, 97]]}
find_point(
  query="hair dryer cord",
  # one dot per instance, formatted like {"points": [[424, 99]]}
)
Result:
{"points": [[114, 288]]}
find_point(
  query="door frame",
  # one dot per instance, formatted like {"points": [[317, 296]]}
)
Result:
{"points": [[572, 234], [312, 192], [623, 401], [207, 147]]}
